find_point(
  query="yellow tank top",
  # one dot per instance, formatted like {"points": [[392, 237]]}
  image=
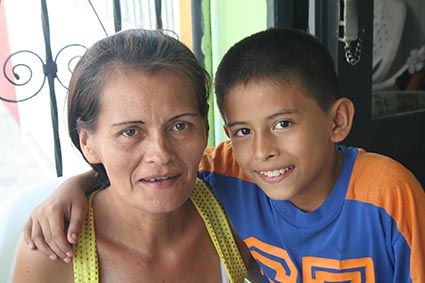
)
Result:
{"points": [[85, 262]]}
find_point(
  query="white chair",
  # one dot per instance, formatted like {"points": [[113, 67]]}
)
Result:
{"points": [[14, 211]]}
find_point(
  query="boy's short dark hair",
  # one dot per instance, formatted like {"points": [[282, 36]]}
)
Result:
{"points": [[280, 55]]}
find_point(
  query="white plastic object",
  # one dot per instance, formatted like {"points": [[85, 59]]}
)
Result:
{"points": [[389, 19], [14, 211], [350, 21]]}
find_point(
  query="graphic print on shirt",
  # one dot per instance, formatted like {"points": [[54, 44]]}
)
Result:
{"points": [[314, 269]]}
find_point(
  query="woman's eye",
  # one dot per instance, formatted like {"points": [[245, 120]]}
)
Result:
{"points": [[242, 132], [282, 124], [130, 132], [180, 126]]}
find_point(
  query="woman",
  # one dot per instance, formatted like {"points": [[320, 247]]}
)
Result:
{"points": [[137, 111]]}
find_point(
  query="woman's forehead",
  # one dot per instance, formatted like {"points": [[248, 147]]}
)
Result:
{"points": [[160, 91]]}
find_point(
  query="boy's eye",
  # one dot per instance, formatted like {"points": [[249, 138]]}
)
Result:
{"points": [[242, 132], [130, 132], [282, 124]]}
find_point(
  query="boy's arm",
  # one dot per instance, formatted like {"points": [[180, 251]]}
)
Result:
{"points": [[66, 206]]}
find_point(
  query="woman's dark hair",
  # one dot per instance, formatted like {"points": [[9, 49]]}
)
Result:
{"points": [[148, 51]]}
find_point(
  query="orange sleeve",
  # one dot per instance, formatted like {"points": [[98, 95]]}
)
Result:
{"points": [[220, 160], [395, 189]]}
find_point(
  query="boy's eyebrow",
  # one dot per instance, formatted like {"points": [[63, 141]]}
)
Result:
{"points": [[284, 112], [229, 125], [271, 117], [142, 122]]}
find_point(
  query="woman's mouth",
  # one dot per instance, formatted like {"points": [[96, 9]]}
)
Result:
{"points": [[158, 179]]}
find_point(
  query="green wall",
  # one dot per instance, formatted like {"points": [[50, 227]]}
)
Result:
{"points": [[226, 22]]}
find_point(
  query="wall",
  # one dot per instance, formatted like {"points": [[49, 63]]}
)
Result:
{"points": [[7, 90], [230, 22]]}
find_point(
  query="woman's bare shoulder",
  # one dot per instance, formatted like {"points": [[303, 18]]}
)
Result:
{"points": [[34, 266]]}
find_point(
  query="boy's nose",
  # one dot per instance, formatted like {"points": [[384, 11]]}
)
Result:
{"points": [[158, 149], [264, 147]]}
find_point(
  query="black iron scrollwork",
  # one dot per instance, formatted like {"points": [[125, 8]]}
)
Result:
{"points": [[22, 74], [69, 60]]}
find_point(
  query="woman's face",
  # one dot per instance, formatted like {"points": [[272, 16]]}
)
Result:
{"points": [[150, 137]]}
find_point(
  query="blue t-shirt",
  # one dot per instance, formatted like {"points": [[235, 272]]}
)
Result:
{"points": [[371, 228]]}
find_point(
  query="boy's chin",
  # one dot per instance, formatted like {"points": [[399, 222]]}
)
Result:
{"points": [[276, 193]]}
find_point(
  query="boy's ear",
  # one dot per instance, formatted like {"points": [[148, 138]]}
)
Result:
{"points": [[87, 146], [342, 112]]}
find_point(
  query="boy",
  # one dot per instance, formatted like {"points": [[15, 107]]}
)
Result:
{"points": [[308, 209]]}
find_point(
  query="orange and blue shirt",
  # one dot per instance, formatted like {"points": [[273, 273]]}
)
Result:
{"points": [[370, 229]]}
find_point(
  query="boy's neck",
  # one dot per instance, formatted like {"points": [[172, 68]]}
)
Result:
{"points": [[312, 200]]}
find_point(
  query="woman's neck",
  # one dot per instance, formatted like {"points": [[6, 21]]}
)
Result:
{"points": [[150, 232]]}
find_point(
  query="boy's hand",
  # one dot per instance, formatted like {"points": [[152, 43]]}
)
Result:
{"points": [[46, 228]]}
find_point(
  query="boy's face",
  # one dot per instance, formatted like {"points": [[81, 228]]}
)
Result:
{"points": [[281, 140]]}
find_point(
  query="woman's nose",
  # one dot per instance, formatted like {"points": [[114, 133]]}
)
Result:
{"points": [[158, 149]]}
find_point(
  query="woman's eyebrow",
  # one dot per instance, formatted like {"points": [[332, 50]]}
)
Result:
{"points": [[142, 122], [184, 114], [128, 122]]}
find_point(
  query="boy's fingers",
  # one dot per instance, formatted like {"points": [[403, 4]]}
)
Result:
{"points": [[38, 239], [58, 241], [27, 234], [76, 220], [45, 242]]}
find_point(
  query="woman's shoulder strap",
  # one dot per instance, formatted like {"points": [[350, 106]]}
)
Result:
{"points": [[217, 224], [85, 254]]}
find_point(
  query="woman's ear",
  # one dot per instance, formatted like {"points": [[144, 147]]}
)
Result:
{"points": [[88, 146], [227, 131], [207, 131], [342, 112]]}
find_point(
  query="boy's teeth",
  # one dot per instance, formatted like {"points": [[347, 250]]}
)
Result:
{"points": [[274, 173]]}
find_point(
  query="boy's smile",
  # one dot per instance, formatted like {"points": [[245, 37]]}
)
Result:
{"points": [[282, 140]]}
